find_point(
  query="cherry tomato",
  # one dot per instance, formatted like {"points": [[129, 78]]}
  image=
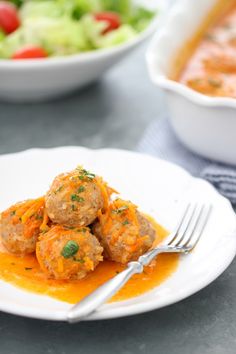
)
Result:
{"points": [[113, 20], [9, 19], [30, 53]]}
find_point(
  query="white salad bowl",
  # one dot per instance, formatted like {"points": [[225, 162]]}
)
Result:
{"points": [[207, 125], [35, 80]]}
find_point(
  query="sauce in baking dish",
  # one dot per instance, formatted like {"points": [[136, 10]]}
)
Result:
{"points": [[25, 272], [211, 66]]}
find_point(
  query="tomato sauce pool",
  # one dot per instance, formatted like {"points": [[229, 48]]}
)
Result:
{"points": [[211, 69], [25, 273]]}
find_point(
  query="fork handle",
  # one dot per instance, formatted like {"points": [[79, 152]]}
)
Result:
{"points": [[103, 293], [90, 303]]}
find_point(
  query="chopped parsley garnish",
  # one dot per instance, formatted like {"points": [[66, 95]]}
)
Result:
{"points": [[126, 222], [73, 207], [13, 213], [76, 198], [81, 189], [120, 210], [79, 260], [90, 175], [38, 217], [58, 189], [85, 174], [69, 227], [82, 230], [70, 249], [44, 231]]}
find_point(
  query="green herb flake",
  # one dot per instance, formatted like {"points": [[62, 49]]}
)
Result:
{"points": [[79, 260], [82, 230], [68, 228], [59, 189], [76, 198], [13, 213], [120, 210], [81, 189], [38, 217], [44, 231], [126, 222], [90, 175], [70, 249], [73, 207], [85, 174]]}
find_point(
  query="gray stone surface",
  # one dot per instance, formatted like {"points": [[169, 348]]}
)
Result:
{"points": [[114, 113]]}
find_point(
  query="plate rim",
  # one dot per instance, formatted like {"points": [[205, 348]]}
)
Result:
{"points": [[106, 311]]}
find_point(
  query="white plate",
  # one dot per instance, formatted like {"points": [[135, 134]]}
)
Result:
{"points": [[157, 187]]}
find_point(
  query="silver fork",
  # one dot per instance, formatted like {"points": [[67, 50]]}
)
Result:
{"points": [[182, 240]]}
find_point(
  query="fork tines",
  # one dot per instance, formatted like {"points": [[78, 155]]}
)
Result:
{"points": [[191, 226]]}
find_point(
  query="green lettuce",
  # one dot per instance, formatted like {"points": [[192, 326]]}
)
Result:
{"points": [[59, 37], [64, 27], [94, 33]]}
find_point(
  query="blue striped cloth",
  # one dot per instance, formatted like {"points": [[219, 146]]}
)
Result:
{"points": [[159, 140]]}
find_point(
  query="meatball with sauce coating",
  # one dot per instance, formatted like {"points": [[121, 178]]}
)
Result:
{"points": [[124, 232], [68, 253], [20, 226], [75, 198]]}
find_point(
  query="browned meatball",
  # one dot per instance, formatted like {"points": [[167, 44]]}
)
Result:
{"points": [[65, 253], [124, 232], [75, 198], [20, 226]]}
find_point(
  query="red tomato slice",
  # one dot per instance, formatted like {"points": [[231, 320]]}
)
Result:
{"points": [[9, 20], [30, 53], [113, 20]]}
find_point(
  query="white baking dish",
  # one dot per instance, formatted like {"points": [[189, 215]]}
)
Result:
{"points": [[207, 125]]}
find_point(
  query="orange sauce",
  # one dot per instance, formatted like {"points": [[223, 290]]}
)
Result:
{"points": [[25, 272], [210, 57]]}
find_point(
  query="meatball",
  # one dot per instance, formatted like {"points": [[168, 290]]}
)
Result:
{"points": [[124, 232], [20, 226], [68, 253], [75, 198]]}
